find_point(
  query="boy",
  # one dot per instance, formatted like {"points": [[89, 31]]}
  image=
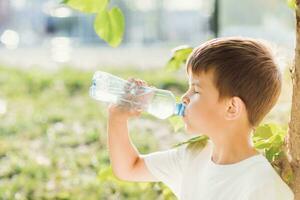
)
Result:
{"points": [[233, 84]]}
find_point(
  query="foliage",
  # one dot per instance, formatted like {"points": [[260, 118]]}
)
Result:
{"points": [[87, 6], [109, 23], [292, 4], [269, 138], [179, 57]]}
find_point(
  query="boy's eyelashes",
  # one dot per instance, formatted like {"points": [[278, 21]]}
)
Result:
{"points": [[193, 90]]}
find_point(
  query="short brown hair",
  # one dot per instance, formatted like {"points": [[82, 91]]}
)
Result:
{"points": [[241, 67]]}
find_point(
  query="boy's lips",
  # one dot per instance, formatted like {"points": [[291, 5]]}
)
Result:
{"points": [[184, 118]]}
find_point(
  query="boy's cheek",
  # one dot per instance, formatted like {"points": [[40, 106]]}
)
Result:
{"points": [[189, 112], [189, 109], [186, 116]]}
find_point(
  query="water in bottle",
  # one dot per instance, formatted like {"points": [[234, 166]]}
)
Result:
{"points": [[112, 89]]}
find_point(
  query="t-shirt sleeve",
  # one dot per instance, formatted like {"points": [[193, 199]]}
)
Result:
{"points": [[272, 191], [167, 166]]}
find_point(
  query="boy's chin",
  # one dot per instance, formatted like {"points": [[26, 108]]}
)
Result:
{"points": [[190, 131]]}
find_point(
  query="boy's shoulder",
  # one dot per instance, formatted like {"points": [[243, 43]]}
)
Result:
{"points": [[262, 175], [264, 179]]}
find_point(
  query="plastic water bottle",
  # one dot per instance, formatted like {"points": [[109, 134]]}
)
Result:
{"points": [[112, 89]]}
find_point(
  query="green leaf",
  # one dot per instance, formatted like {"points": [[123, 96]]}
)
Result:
{"points": [[276, 140], [288, 175], [182, 52], [173, 65], [197, 146], [88, 6], [64, 1], [278, 154], [202, 138], [268, 155], [272, 153], [262, 144], [179, 57], [263, 132], [109, 25], [269, 136], [292, 4]]}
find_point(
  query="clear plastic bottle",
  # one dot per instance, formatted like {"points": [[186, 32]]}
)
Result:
{"points": [[112, 89]]}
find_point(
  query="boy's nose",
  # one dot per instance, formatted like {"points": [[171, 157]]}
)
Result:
{"points": [[185, 99]]}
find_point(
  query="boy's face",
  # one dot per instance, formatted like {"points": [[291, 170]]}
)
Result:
{"points": [[203, 114]]}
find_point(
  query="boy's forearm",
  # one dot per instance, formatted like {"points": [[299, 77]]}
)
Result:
{"points": [[122, 152]]}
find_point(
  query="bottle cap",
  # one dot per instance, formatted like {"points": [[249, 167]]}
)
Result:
{"points": [[179, 109]]}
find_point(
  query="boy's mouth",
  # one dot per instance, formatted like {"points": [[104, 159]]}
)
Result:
{"points": [[184, 118]]}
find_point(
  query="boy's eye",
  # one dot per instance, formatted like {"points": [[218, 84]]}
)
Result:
{"points": [[194, 91]]}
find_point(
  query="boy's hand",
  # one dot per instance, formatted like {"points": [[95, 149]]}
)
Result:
{"points": [[126, 111], [121, 112]]}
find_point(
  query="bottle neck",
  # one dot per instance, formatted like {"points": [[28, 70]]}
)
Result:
{"points": [[179, 109]]}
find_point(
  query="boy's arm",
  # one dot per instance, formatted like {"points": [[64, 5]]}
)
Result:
{"points": [[125, 159], [126, 162]]}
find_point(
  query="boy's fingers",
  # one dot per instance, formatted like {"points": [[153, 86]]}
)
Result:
{"points": [[137, 81], [140, 82], [144, 82]]}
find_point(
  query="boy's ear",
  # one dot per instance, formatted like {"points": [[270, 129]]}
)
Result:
{"points": [[234, 107]]}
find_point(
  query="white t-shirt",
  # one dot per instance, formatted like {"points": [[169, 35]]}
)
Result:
{"points": [[196, 176]]}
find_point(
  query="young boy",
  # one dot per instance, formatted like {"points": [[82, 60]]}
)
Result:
{"points": [[233, 84]]}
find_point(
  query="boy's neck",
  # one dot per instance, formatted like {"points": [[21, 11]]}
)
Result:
{"points": [[232, 148]]}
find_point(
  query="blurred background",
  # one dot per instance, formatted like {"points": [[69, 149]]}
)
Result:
{"points": [[55, 33], [53, 135]]}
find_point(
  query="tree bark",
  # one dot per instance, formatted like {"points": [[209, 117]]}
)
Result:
{"points": [[293, 137]]}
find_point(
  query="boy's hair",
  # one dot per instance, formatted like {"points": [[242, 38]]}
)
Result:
{"points": [[241, 67]]}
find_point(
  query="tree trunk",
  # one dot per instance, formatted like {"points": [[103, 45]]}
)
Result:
{"points": [[293, 137]]}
